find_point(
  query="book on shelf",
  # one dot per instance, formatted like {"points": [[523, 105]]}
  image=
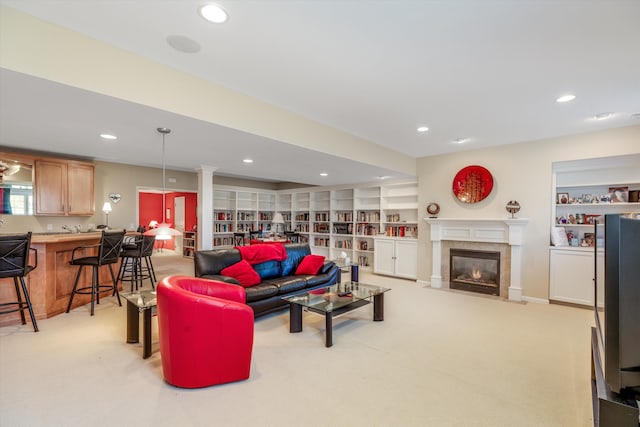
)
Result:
{"points": [[363, 245], [321, 228], [265, 216], [322, 216], [223, 228], [402, 231], [344, 216], [345, 228], [366, 229], [364, 216], [302, 228], [321, 241], [223, 241], [343, 244]]}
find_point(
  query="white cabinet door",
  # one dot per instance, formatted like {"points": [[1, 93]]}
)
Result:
{"points": [[383, 258], [406, 259], [396, 258], [571, 276]]}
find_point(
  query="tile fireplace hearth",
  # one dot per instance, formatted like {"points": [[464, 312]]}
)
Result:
{"points": [[495, 235]]}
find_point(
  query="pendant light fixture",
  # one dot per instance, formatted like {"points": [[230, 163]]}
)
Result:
{"points": [[163, 231]]}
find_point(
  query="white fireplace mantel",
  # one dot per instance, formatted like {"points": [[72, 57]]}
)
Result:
{"points": [[509, 231]]}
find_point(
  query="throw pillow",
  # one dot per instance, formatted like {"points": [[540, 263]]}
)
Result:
{"points": [[243, 273], [310, 264]]}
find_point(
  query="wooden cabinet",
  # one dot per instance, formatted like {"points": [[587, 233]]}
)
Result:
{"points": [[50, 187], [80, 194], [396, 257], [63, 188]]}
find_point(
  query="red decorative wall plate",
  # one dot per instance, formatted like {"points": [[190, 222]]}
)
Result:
{"points": [[472, 184]]}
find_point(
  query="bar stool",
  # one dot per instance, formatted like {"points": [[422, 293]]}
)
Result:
{"points": [[108, 253], [147, 252], [14, 262], [238, 239], [132, 254]]}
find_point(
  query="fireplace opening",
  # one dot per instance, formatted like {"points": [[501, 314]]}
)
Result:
{"points": [[475, 271]]}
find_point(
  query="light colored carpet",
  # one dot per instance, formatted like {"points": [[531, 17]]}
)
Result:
{"points": [[440, 358]]}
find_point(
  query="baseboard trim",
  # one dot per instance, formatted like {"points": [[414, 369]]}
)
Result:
{"points": [[536, 300]]}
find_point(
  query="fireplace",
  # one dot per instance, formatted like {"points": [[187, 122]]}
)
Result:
{"points": [[505, 233], [475, 271]]}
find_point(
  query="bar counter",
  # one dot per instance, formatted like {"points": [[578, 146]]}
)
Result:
{"points": [[50, 284]]}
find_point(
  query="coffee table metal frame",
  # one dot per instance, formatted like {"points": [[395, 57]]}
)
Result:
{"points": [[141, 301], [333, 301]]}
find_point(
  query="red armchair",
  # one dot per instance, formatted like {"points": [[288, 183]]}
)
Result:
{"points": [[205, 331]]}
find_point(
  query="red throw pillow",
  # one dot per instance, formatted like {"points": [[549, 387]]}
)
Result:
{"points": [[310, 264], [243, 273]]}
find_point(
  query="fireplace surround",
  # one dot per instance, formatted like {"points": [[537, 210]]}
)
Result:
{"points": [[506, 233]]}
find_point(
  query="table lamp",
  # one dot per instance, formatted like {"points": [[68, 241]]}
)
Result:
{"points": [[277, 220], [106, 208]]}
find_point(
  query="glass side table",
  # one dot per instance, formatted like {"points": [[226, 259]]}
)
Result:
{"points": [[141, 301], [347, 267]]}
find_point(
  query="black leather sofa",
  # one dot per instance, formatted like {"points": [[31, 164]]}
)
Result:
{"points": [[278, 278]]}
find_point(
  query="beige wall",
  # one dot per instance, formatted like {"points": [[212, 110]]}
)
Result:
{"points": [[126, 180], [522, 172], [109, 178]]}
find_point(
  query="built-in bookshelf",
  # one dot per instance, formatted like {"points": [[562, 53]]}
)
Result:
{"points": [[189, 243], [335, 221], [241, 210], [345, 221]]}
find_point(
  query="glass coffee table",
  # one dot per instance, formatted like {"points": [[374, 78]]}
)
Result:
{"points": [[141, 301], [333, 301]]}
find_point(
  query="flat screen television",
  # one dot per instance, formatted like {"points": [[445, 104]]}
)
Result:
{"points": [[617, 302]]}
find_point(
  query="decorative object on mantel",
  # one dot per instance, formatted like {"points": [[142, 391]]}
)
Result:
{"points": [[513, 207], [472, 184], [433, 209], [115, 197]]}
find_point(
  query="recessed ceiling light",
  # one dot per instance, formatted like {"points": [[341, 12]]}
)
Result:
{"points": [[423, 129], [566, 98], [461, 140], [382, 177], [247, 160], [183, 44], [108, 136], [213, 13], [602, 116], [324, 174]]}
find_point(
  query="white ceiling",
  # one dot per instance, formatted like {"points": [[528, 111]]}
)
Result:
{"points": [[479, 69]]}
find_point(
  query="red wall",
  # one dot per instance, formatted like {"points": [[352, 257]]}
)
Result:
{"points": [[151, 209]]}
